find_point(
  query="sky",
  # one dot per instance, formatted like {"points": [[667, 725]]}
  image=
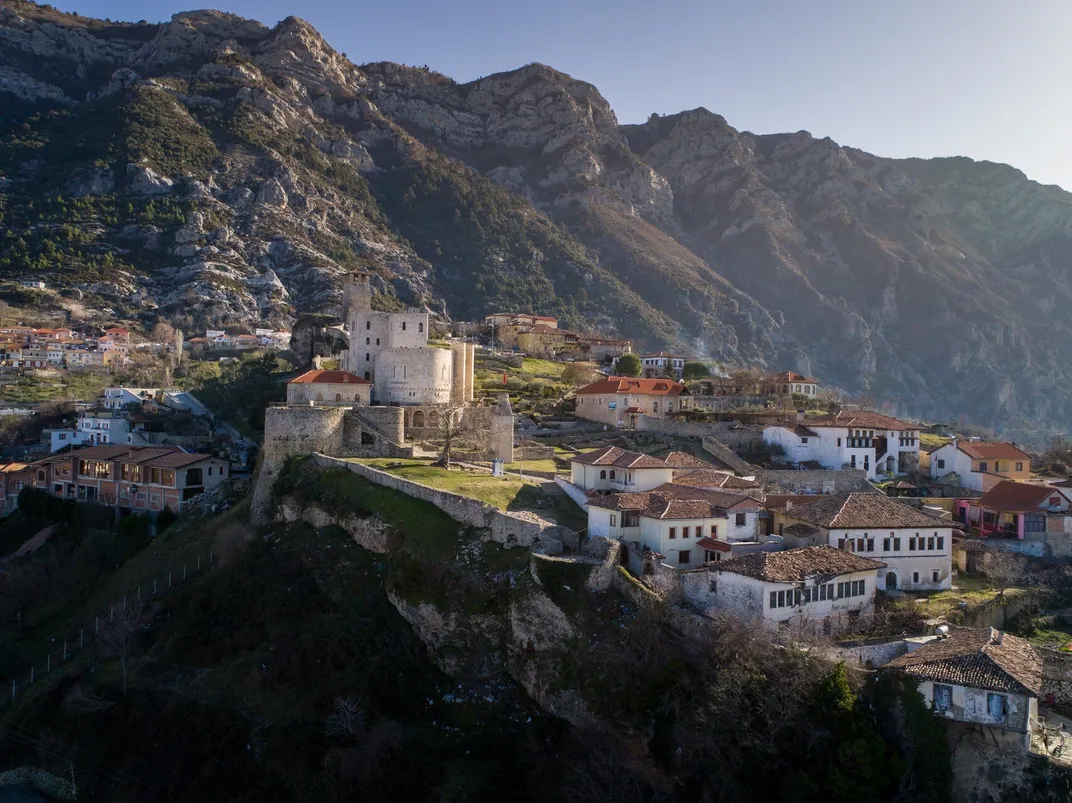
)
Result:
{"points": [[987, 79]]}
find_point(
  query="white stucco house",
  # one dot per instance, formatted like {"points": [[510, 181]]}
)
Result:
{"points": [[60, 438], [979, 465], [814, 589], [683, 526], [915, 546], [620, 401], [876, 443], [615, 469], [980, 677]]}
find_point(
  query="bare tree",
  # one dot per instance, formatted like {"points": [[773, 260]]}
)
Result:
{"points": [[118, 636], [453, 431], [578, 374], [1004, 569], [347, 719]]}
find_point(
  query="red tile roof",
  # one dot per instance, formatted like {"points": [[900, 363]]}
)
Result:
{"points": [[726, 499], [622, 501], [685, 460], [861, 419], [980, 659], [715, 545], [981, 450], [792, 376], [850, 511], [614, 456], [320, 376], [797, 564], [1016, 497], [633, 385], [713, 478]]}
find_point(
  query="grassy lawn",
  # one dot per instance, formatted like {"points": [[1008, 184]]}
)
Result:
{"points": [[547, 464], [930, 442], [1054, 636], [531, 366], [975, 591], [39, 387], [503, 493]]}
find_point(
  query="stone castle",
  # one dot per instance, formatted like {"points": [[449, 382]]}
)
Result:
{"points": [[414, 385]]}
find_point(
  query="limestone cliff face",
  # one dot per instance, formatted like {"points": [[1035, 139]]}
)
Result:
{"points": [[273, 165]]}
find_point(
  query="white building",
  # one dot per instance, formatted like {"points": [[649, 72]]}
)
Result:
{"points": [[815, 589], [335, 388], [980, 677], [662, 363], [979, 465], [614, 469], [56, 439], [391, 350], [118, 398], [915, 546], [105, 428], [876, 443], [620, 401]]}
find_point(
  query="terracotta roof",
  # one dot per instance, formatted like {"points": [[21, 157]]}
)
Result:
{"points": [[685, 460], [320, 376], [176, 460], [662, 507], [797, 564], [634, 409], [615, 456], [981, 659], [620, 501], [714, 544], [981, 450], [793, 376], [1015, 497], [782, 501], [804, 432], [633, 385], [859, 509], [800, 530], [713, 478], [859, 420], [725, 499]]}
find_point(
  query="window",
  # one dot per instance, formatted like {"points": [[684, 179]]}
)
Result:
{"points": [[807, 595], [673, 532], [863, 587], [840, 590], [997, 465], [1019, 466], [377, 341], [896, 544], [943, 696], [997, 706], [403, 326], [613, 473], [982, 465], [684, 556], [941, 542], [781, 599], [631, 519], [885, 544], [368, 375], [915, 577], [941, 463], [930, 543], [367, 341], [684, 532], [839, 442], [338, 397], [366, 356], [803, 440], [613, 520], [773, 599], [861, 544], [822, 593], [870, 544], [699, 531], [852, 461], [911, 544], [934, 576], [368, 324], [420, 327], [603, 474], [739, 519], [867, 462], [1034, 523], [655, 406]]}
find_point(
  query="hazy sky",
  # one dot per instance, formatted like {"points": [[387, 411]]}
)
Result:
{"points": [[987, 79]]}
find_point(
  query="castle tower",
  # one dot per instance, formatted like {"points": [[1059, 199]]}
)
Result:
{"points": [[356, 294], [461, 389]]}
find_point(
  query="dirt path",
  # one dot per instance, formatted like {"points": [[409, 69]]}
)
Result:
{"points": [[32, 545]]}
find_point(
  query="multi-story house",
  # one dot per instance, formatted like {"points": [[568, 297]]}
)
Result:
{"points": [[85, 358], [662, 364], [619, 401], [916, 546], [543, 340], [104, 427], [983, 678], [876, 443], [33, 357], [978, 465], [13, 478], [789, 383], [56, 439], [130, 477], [506, 326], [612, 469], [1019, 510], [118, 398], [814, 589]]}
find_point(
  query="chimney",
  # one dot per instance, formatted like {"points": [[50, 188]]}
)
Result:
{"points": [[996, 636], [800, 416]]}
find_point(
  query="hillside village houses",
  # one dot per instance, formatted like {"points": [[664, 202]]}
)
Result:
{"points": [[876, 443], [980, 678], [541, 336], [978, 465], [915, 546], [1019, 510], [618, 401], [815, 589]]}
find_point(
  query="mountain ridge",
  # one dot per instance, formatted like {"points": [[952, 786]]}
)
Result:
{"points": [[236, 172]]}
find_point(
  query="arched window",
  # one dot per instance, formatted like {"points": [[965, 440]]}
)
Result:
{"points": [[404, 371], [394, 372], [418, 419], [319, 397], [367, 341], [405, 418], [403, 326], [603, 474], [357, 397], [377, 341], [367, 375], [433, 419], [420, 327], [338, 397], [368, 324], [612, 474], [366, 357]]}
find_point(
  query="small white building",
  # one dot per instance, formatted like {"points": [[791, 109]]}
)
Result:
{"points": [[979, 465], [56, 439], [980, 677], [118, 398], [615, 469], [661, 363], [332, 388], [876, 443], [915, 546], [814, 589], [104, 428]]}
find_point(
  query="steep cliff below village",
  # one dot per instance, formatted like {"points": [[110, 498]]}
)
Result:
{"points": [[217, 171]]}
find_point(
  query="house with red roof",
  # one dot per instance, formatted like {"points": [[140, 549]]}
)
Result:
{"points": [[619, 401], [876, 443], [789, 383], [333, 388], [979, 465], [1020, 510]]}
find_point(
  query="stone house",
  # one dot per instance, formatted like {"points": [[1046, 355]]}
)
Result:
{"points": [[789, 383], [506, 326], [979, 677], [619, 401], [813, 589], [915, 546], [131, 477], [876, 443], [615, 469], [978, 465], [547, 341], [329, 387]]}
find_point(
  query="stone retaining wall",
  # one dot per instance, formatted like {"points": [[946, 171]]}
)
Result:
{"points": [[818, 481], [509, 529]]}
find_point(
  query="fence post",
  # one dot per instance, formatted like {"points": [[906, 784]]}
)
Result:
{"points": [[31, 675], [139, 592], [169, 579], [48, 663], [81, 638], [198, 563], [64, 650], [184, 572], [13, 688], [154, 586], [124, 603], [210, 557]]}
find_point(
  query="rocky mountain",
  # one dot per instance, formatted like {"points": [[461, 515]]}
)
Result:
{"points": [[219, 172]]}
